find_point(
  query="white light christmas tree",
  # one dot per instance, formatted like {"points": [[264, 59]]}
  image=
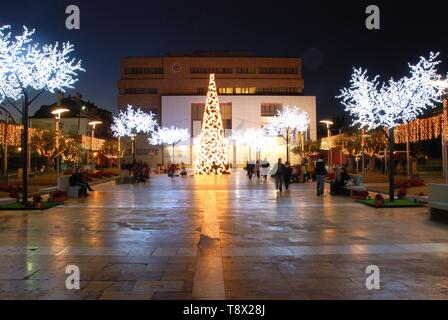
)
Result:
{"points": [[133, 121], [289, 120], [169, 137], [213, 157], [373, 104], [27, 70], [254, 139], [376, 105]]}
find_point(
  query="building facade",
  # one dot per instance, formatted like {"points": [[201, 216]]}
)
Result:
{"points": [[251, 89]]}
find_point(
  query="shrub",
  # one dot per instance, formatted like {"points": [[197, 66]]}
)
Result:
{"points": [[361, 193], [37, 199], [402, 193], [379, 197], [14, 195], [59, 194], [406, 184]]}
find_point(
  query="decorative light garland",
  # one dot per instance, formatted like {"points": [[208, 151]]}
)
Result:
{"points": [[423, 129], [14, 134], [213, 157]]}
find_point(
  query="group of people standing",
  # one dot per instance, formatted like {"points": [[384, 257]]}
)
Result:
{"points": [[260, 169], [139, 170]]}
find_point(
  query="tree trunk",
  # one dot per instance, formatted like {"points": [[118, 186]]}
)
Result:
{"points": [[287, 148], [391, 165], [25, 149], [5, 147]]}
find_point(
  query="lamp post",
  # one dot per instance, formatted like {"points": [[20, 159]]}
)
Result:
{"points": [[93, 124], [329, 123], [57, 113], [81, 110], [133, 146]]}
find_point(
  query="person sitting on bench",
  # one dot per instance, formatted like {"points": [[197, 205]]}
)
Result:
{"points": [[339, 183], [76, 179]]}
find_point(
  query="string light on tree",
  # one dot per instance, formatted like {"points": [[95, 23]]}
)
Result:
{"points": [[254, 139], [213, 156], [27, 70], [373, 104], [169, 137], [133, 121], [289, 120]]}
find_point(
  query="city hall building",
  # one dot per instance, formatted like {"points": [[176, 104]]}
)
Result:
{"points": [[251, 89]]}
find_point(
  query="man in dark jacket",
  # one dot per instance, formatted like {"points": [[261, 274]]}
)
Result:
{"points": [[287, 175], [279, 175], [321, 173]]}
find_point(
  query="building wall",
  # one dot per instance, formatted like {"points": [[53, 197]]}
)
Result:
{"points": [[69, 126], [246, 113]]}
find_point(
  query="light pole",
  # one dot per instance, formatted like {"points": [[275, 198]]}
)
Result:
{"points": [[57, 113], [329, 123], [133, 146], [93, 124], [81, 110]]}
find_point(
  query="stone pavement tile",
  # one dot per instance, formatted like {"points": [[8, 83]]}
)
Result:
{"points": [[187, 252], [165, 267], [208, 290], [180, 276], [157, 286], [165, 252], [140, 275]]}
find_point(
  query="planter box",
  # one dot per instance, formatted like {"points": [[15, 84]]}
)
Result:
{"points": [[359, 197], [61, 199]]}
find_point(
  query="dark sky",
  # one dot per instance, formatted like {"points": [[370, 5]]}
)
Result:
{"points": [[329, 35]]}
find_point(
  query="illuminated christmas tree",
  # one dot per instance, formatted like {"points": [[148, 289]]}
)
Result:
{"points": [[213, 157]]}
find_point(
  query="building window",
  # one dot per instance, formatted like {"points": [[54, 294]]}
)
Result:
{"points": [[125, 91], [280, 91], [201, 91], [270, 109], [143, 71], [200, 70], [225, 90], [245, 90], [197, 114], [246, 70], [279, 70]]}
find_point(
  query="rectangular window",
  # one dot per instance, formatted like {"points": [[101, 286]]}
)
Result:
{"points": [[252, 90], [125, 91], [270, 109], [279, 70], [143, 71], [225, 90], [201, 70], [246, 70]]}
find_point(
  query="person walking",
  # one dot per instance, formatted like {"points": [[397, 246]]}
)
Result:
{"points": [[257, 169], [287, 175], [321, 173], [265, 168], [277, 172]]}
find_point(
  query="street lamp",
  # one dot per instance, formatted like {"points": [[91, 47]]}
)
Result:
{"points": [[133, 146], [57, 113], [444, 84], [329, 124], [81, 110], [93, 124]]}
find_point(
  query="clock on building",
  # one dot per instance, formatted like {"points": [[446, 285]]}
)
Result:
{"points": [[177, 67]]}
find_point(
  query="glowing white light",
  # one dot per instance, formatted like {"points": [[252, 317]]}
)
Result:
{"points": [[254, 138], [133, 122], [288, 120], [169, 136], [373, 104], [25, 65]]}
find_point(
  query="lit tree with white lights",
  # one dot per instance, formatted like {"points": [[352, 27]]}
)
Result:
{"points": [[27, 70], [288, 121], [213, 157], [132, 122], [255, 139], [385, 105], [169, 137]]}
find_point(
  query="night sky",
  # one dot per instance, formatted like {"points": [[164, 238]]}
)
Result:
{"points": [[331, 37]]}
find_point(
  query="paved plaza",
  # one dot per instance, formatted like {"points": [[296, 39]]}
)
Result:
{"points": [[221, 238]]}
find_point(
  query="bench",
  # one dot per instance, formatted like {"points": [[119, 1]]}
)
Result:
{"points": [[438, 202], [64, 185], [358, 186], [48, 190], [6, 201]]}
